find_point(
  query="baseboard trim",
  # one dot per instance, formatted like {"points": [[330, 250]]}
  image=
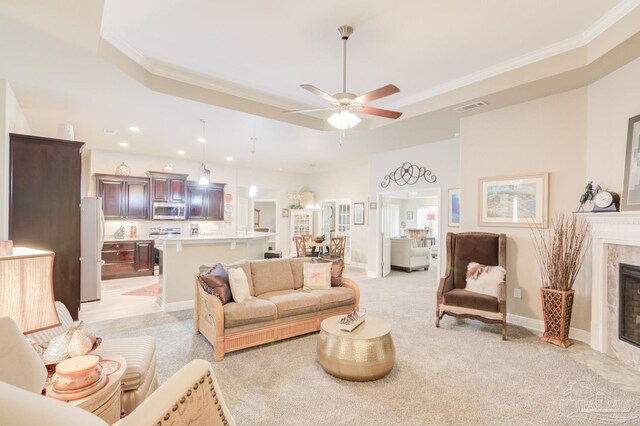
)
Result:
{"points": [[177, 306], [538, 326]]}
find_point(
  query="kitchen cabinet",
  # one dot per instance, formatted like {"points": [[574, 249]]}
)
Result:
{"points": [[131, 258], [168, 187], [205, 202], [123, 197], [43, 204]]}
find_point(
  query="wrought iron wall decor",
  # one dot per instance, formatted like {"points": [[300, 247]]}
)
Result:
{"points": [[408, 174]]}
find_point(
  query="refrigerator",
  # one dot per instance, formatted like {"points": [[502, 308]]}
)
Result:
{"points": [[91, 240]]}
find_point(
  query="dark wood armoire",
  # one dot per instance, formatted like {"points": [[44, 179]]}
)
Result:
{"points": [[44, 206]]}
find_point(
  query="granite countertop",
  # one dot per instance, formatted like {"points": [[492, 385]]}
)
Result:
{"points": [[112, 239], [217, 237]]}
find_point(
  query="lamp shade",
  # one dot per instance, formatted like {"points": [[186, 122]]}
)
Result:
{"points": [[343, 120], [253, 191], [26, 289]]}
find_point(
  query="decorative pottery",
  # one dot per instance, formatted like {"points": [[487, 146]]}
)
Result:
{"points": [[228, 218], [168, 168], [228, 198], [556, 309], [79, 345], [58, 349], [76, 381], [109, 366], [80, 393], [123, 170]]}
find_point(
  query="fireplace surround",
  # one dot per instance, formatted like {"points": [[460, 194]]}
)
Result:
{"points": [[615, 239]]}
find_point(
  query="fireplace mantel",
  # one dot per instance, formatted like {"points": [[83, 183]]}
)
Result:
{"points": [[621, 228]]}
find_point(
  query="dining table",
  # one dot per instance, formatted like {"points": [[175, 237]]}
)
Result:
{"points": [[319, 247]]}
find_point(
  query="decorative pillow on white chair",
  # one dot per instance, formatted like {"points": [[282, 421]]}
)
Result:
{"points": [[484, 279], [239, 284], [317, 276]]}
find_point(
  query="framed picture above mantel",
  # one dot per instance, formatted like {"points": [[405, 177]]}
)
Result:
{"points": [[520, 200], [631, 190]]}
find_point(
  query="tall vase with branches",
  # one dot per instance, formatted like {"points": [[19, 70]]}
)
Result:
{"points": [[560, 251]]}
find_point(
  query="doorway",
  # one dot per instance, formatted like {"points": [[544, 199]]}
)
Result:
{"points": [[336, 220], [265, 219], [409, 214]]}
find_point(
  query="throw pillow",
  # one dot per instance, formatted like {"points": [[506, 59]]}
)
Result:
{"points": [[239, 284], [484, 279], [337, 267], [317, 276], [216, 282]]}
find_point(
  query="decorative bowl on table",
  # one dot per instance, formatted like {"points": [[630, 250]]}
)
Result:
{"points": [[319, 239], [77, 373]]}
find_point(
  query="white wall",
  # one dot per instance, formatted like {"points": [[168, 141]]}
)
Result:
{"points": [[352, 183], [272, 185], [544, 135], [12, 120], [442, 158]]}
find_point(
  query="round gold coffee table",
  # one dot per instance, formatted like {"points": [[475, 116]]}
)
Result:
{"points": [[364, 354]]}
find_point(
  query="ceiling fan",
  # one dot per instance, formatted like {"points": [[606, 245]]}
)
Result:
{"points": [[347, 104]]}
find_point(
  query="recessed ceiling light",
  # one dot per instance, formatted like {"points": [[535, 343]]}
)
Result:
{"points": [[134, 129], [229, 158], [280, 169], [110, 132], [181, 152], [123, 144], [413, 193], [201, 139]]}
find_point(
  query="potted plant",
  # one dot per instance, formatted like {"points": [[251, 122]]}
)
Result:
{"points": [[560, 250]]}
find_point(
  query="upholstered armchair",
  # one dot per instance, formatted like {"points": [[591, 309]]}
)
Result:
{"points": [[406, 255], [453, 299]]}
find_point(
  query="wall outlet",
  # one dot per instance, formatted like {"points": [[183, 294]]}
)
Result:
{"points": [[517, 293]]}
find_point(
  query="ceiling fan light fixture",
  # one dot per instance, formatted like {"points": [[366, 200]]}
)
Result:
{"points": [[344, 120]]}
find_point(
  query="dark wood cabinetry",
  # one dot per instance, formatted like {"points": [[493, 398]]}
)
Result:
{"points": [[44, 206], [127, 259], [123, 197], [205, 202], [168, 187]]}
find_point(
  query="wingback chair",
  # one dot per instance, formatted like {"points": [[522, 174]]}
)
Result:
{"points": [[453, 299]]}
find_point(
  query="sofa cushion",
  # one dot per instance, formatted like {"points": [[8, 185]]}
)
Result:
{"points": [[317, 276], [335, 297], [250, 311], [246, 266], [271, 275], [297, 268], [239, 285], [293, 302], [469, 299], [216, 282], [337, 267], [139, 352]]}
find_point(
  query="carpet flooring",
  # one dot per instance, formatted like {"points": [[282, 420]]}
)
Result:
{"points": [[460, 374]]}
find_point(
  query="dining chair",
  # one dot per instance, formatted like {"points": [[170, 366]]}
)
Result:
{"points": [[336, 247]]}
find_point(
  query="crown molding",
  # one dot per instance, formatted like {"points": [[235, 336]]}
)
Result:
{"points": [[609, 19]]}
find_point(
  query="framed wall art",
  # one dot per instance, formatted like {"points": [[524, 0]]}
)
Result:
{"points": [[410, 215], [521, 200], [373, 205], [358, 213], [454, 207], [285, 212], [631, 189]]}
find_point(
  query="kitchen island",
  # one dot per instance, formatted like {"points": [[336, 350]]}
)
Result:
{"points": [[181, 258]]}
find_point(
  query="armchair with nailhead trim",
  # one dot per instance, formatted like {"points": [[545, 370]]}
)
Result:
{"points": [[190, 397]]}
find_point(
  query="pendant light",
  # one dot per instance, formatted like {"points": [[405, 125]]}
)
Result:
{"points": [[253, 189], [205, 174]]}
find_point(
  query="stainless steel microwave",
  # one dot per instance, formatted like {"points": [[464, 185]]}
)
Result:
{"points": [[169, 211]]}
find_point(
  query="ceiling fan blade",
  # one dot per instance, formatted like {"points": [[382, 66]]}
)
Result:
{"points": [[387, 90], [318, 92], [299, 111], [379, 112]]}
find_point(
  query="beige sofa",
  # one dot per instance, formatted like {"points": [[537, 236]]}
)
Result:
{"points": [[279, 307], [405, 255]]}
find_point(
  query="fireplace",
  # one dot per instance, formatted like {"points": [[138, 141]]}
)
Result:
{"points": [[629, 299]]}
